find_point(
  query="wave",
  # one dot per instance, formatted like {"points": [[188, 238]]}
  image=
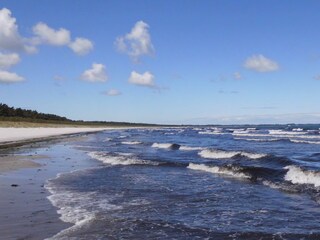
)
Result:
{"points": [[303, 141], [73, 206], [210, 133], [221, 154], [188, 148], [229, 170], [297, 175], [261, 139], [119, 159], [281, 132], [131, 143], [172, 146]]}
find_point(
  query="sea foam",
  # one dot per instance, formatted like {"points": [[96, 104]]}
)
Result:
{"points": [[166, 145], [234, 172], [131, 143], [296, 175], [221, 154], [119, 159]]}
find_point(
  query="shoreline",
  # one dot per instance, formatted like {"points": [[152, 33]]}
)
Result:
{"points": [[25, 167]]}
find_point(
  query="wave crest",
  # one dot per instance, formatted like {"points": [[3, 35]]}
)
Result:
{"points": [[230, 170], [221, 154], [119, 159], [172, 146], [297, 175]]}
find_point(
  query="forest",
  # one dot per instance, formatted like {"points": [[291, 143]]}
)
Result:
{"points": [[8, 113]]}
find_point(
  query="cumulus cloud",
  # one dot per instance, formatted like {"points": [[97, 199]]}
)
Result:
{"points": [[97, 73], [47, 35], [145, 79], [136, 43], [10, 39], [8, 60], [260, 63], [112, 92], [9, 77], [81, 46]]}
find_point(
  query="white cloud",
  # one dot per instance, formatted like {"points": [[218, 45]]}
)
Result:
{"points": [[260, 63], [8, 60], [146, 79], [10, 39], [112, 92], [96, 74], [81, 46], [237, 76], [137, 42], [9, 77], [45, 34]]}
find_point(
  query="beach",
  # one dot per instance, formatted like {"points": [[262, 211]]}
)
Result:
{"points": [[30, 158], [163, 183]]}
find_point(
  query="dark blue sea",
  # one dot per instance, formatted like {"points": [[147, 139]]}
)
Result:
{"points": [[229, 182]]}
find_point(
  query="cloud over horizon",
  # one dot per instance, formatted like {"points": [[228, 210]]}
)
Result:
{"points": [[260, 63], [97, 73], [136, 43]]}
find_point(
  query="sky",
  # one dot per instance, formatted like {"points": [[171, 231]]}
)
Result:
{"points": [[174, 62]]}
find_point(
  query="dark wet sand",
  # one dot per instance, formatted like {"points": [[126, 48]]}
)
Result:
{"points": [[25, 211]]}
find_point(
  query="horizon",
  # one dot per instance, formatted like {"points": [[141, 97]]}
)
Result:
{"points": [[213, 63]]}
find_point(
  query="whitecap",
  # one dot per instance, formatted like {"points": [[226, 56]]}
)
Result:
{"points": [[218, 170], [166, 145], [119, 159], [189, 148], [221, 154], [297, 175], [131, 143]]}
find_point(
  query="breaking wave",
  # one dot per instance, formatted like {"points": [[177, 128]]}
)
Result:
{"points": [[297, 175], [119, 159], [172, 146], [221, 154], [229, 170], [304, 141], [73, 207], [131, 143], [188, 148]]}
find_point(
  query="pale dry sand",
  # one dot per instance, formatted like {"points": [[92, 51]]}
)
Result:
{"points": [[21, 134]]}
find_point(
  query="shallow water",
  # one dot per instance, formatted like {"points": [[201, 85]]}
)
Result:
{"points": [[194, 183]]}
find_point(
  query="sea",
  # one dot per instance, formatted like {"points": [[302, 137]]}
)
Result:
{"points": [[194, 182]]}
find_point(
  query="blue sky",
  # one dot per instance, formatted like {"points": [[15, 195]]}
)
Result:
{"points": [[184, 62]]}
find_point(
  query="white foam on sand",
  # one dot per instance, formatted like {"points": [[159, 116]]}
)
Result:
{"points": [[73, 207], [19, 134]]}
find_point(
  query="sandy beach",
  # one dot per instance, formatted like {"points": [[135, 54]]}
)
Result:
{"points": [[25, 211]]}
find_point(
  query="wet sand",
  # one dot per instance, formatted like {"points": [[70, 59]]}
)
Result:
{"points": [[25, 211]]}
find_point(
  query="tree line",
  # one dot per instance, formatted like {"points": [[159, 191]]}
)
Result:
{"points": [[6, 111]]}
